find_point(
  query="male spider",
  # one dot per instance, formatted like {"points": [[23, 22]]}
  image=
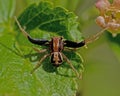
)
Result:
{"points": [[56, 46]]}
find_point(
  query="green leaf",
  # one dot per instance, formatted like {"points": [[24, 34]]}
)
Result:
{"points": [[51, 19], [17, 60], [16, 79]]}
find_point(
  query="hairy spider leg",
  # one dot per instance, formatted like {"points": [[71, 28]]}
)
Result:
{"points": [[39, 51], [74, 70], [94, 37], [70, 49], [39, 63], [22, 29], [34, 41], [73, 44]]}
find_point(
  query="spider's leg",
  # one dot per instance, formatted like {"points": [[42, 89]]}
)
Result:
{"points": [[39, 63], [69, 49], [94, 37], [72, 44], [32, 40], [21, 29], [39, 51], [68, 61]]}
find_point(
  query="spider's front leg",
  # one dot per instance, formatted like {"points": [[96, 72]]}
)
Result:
{"points": [[34, 41], [74, 45], [95, 37]]}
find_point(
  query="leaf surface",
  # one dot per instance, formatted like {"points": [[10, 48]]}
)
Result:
{"points": [[51, 19], [17, 58]]}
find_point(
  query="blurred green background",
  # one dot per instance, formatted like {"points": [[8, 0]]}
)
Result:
{"points": [[101, 58]]}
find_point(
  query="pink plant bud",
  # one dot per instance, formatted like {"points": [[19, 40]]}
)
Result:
{"points": [[109, 15], [101, 21], [113, 26], [116, 3], [102, 5]]}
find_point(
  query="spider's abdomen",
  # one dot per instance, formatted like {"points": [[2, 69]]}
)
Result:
{"points": [[56, 58]]}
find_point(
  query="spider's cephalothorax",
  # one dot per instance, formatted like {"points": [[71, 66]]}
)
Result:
{"points": [[56, 46]]}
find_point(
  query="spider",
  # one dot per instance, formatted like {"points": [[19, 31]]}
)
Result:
{"points": [[56, 46]]}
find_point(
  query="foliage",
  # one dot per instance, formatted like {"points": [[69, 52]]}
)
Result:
{"points": [[45, 17], [18, 59]]}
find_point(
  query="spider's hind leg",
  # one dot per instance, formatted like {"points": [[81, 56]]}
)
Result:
{"points": [[73, 68]]}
